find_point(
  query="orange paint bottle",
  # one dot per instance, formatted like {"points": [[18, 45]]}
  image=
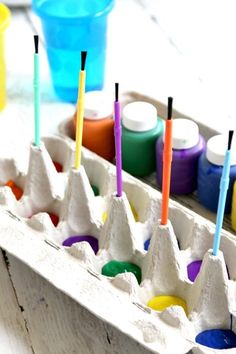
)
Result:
{"points": [[98, 127]]}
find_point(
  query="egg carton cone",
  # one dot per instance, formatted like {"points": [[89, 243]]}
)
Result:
{"points": [[121, 225]]}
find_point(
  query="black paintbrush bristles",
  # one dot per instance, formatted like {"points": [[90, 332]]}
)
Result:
{"points": [[170, 103], [36, 43], [116, 92], [231, 133], [83, 59]]}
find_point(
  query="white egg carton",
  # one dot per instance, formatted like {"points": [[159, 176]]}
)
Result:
{"points": [[27, 232]]}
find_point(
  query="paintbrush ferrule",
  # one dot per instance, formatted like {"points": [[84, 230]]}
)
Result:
{"points": [[224, 182]]}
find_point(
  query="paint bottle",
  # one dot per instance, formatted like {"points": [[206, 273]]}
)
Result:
{"points": [[140, 129], [187, 146], [98, 128], [233, 211], [210, 170]]}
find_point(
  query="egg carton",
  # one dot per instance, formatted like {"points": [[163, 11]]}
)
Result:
{"points": [[26, 231]]}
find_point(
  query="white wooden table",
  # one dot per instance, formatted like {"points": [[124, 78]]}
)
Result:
{"points": [[34, 316]]}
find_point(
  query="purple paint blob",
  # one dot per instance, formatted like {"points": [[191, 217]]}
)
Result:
{"points": [[83, 238], [193, 270]]}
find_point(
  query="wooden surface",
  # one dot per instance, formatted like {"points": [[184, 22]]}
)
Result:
{"points": [[13, 328], [35, 317]]}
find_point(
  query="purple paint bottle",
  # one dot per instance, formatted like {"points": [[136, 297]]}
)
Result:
{"points": [[188, 145]]}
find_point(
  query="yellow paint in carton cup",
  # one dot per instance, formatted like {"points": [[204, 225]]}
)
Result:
{"points": [[4, 22]]}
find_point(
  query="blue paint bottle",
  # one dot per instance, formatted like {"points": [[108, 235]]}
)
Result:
{"points": [[210, 170]]}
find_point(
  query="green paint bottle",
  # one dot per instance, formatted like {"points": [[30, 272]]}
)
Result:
{"points": [[140, 129]]}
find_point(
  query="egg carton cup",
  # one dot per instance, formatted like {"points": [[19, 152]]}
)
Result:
{"points": [[27, 232]]}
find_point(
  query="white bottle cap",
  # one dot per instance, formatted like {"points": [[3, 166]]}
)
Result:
{"points": [[216, 148], [185, 134], [97, 105], [139, 116]]}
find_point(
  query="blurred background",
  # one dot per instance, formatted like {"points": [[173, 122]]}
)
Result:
{"points": [[155, 47]]}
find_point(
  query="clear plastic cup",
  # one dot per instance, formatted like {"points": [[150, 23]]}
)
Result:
{"points": [[69, 27], [4, 22]]}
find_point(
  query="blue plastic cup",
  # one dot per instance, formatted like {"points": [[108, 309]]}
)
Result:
{"points": [[69, 27]]}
